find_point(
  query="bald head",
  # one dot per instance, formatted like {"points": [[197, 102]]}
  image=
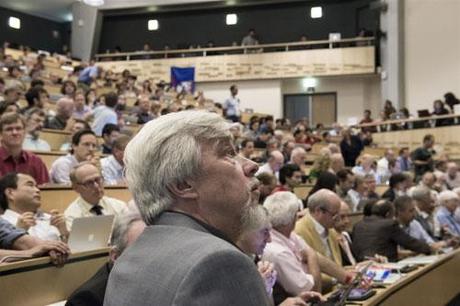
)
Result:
{"points": [[65, 107], [276, 160], [324, 207]]}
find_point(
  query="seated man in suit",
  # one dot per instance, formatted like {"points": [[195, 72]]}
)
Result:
{"points": [[341, 225], [126, 230], [381, 234], [87, 181], [15, 243], [405, 214], [20, 200], [425, 204], [317, 226], [399, 182], [175, 168]]}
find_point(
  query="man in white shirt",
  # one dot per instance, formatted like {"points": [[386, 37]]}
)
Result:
{"points": [[112, 166], [452, 178], [84, 148], [87, 181], [20, 200], [34, 124], [273, 164], [383, 169], [104, 114], [232, 105]]}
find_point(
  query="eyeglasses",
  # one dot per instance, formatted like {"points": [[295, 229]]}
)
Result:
{"points": [[334, 215], [90, 183]]}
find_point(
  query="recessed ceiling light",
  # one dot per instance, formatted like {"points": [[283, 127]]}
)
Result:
{"points": [[94, 2], [14, 23], [231, 19], [153, 25], [316, 12]]}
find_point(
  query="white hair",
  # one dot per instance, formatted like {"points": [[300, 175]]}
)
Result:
{"points": [[255, 218], [447, 195], [282, 207], [121, 226], [297, 151], [320, 199], [167, 151]]}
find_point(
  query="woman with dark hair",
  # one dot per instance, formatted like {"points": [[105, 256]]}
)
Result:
{"points": [[326, 180], [451, 100], [68, 89], [439, 110]]}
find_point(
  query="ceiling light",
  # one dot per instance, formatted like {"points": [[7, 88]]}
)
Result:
{"points": [[231, 19], [94, 2], [14, 23], [153, 25], [316, 12], [309, 82]]}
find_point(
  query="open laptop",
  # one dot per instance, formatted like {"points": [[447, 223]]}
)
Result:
{"points": [[90, 233], [423, 113]]}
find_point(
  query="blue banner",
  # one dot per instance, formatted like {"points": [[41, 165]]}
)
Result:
{"points": [[183, 79]]}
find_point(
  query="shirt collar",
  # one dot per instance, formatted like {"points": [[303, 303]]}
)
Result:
{"points": [[4, 155], [319, 228], [115, 163], [87, 205], [10, 214]]}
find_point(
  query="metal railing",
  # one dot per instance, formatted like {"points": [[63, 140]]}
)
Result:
{"points": [[278, 47]]}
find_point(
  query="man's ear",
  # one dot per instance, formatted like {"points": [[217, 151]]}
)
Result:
{"points": [[9, 193], [183, 190]]}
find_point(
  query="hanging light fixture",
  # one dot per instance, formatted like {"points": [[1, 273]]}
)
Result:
{"points": [[94, 2]]}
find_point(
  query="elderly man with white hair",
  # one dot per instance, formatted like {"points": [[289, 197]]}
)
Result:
{"points": [[452, 178], [273, 164], [64, 110], [445, 215], [297, 264], [298, 157], [194, 193]]}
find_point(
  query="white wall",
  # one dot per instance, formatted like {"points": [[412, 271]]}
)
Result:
{"points": [[354, 94], [432, 51], [83, 30], [262, 96]]}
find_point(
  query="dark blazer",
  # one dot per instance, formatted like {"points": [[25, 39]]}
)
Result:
{"points": [[376, 235], [182, 262], [426, 226], [389, 194], [93, 290], [351, 152]]}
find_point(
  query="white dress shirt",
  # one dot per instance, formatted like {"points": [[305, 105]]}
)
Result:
{"points": [[112, 171], [323, 234], [35, 144], [42, 229], [285, 254], [80, 208], [61, 168]]}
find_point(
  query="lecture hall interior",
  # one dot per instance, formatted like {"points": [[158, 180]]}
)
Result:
{"points": [[230, 152]]}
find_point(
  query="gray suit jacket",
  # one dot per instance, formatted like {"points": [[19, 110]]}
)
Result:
{"points": [[177, 261]]}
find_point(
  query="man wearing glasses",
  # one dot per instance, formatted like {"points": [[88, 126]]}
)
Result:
{"points": [[87, 181], [84, 148]]}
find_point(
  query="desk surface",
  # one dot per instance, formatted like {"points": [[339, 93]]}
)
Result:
{"points": [[434, 284]]}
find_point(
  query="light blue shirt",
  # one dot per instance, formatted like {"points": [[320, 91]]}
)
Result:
{"points": [[35, 144], [87, 75], [447, 220], [416, 230], [112, 171], [232, 106], [102, 116]]}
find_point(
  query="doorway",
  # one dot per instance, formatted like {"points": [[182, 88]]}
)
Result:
{"points": [[316, 107]]}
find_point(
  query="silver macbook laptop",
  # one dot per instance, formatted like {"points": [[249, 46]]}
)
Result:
{"points": [[90, 233]]}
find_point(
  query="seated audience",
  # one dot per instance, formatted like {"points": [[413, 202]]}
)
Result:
{"points": [[425, 203], [110, 132], [403, 162], [445, 214], [288, 147], [367, 119], [104, 114], [246, 148], [381, 234], [112, 166], [356, 194], [37, 97], [346, 179], [366, 166], [267, 185], [399, 184], [20, 200], [88, 182], [64, 110], [325, 180], [290, 176], [16, 244], [34, 124], [126, 230], [13, 157], [81, 109], [298, 157], [341, 225], [383, 166], [77, 125], [84, 148], [263, 138], [337, 163], [143, 113], [452, 177], [273, 164], [371, 183], [439, 110]]}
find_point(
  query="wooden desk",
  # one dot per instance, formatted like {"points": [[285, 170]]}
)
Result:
{"points": [[432, 285], [49, 157], [59, 197], [38, 282], [55, 138]]}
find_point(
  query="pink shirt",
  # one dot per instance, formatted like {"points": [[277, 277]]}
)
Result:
{"points": [[284, 253]]}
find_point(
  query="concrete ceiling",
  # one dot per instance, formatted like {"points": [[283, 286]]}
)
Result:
{"points": [[61, 10]]}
